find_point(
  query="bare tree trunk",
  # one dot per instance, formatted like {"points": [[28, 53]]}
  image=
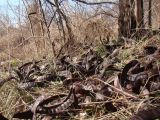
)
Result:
{"points": [[140, 13], [150, 14], [127, 20], [133, 18], [124, 18], [35, 17]]}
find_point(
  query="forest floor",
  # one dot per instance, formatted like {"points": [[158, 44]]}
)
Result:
{"points": [[105, 82]]}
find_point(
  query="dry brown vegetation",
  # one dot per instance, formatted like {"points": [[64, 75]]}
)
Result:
{"points": [[64, 38]]}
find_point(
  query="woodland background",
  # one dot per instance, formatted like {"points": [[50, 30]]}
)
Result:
{"points": [[39, 29]]}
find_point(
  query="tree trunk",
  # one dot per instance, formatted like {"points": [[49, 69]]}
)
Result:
{"points": [[133, 18], [126, 21], [124, 18], [150, 14], [139, 13], [37, 26]]}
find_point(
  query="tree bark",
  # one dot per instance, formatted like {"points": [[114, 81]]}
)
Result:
{"points": [[127, 20], [139, 13], [133, 18], [150, 14], [124, 18]]}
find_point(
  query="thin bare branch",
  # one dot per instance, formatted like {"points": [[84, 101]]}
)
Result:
{"points": [[94, 3]]}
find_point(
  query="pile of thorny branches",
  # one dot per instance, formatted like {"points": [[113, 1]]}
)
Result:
{"points": [[92, 86]]}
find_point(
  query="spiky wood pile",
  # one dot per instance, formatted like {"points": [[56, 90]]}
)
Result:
{"points": [[94, 83]]}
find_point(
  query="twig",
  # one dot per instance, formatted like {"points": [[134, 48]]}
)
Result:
{"points": [[101, 102], [118, 90]]}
